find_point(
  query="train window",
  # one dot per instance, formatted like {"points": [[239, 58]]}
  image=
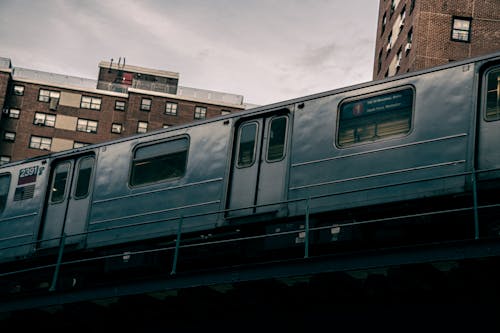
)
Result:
{"points": [[246, 149], [61, 174], [159, 162], [83, 181], [4, 190], [375, 117], [277, 136], [493, 95]]}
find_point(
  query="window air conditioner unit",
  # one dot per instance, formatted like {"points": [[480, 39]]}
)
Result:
{"points": [[389, 46], [407, 47], [5, 111], [53, 103]]}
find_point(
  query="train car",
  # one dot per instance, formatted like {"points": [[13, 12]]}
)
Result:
{"points": [[386, 143]]}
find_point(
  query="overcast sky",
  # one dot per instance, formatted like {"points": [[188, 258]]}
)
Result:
{"points": [[266, 50]]}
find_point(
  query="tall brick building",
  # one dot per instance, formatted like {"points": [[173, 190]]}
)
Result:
{"points": [[47, 112], [418, 34]]}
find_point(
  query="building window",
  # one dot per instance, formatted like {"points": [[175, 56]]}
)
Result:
{"points": [[38, 142], [412, 6], [47, 95], [409, 40], [116, 128], [379, 61], [14, 113], [225, 112], [120, 105], [142, 127], [389, 43], [402, 17], [44, 119], [77, 144], [9, 136], [160, 162], [84, 125], [384, 23], [171, 108], [146, 104], [399, 55], [93, 103], [18, 90], [200, 112], [461, 29], [375, 118], [4, 160]]}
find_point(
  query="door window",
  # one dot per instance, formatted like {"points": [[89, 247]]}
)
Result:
{"points": [[83, 182], [277, 136], [493, 94], [4, 190], [246, 150], [59, 183]]}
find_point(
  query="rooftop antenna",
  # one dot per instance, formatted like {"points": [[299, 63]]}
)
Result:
{"points": [[119, 61], [123, 61], [110, 65]]}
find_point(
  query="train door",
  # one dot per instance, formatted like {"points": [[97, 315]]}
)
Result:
{"points": [[67, 205], [489, 123], [259, 165]]}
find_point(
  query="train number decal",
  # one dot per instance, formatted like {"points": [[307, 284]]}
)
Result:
{"points": [[28, 175]]}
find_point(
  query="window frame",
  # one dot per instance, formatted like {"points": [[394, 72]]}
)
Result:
{"points": [[18, 113], [4, 198], [151, 144], [47, 97], [170, 111], [256, 138], [91, 102], [453, 29], [114, 131], [9, 133], [78, 125], [44, 123], [285, 139], [199, 110], [41, 142], [361, 98], [117, 108], [145, 106], [78, 175], [138, 126], [17, 91], [485, 93]]}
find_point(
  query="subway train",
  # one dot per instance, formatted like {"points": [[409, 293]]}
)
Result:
{"points": [[336, 158]]}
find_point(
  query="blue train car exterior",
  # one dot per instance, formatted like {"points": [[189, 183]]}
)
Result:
{"points": [[414, 136]]}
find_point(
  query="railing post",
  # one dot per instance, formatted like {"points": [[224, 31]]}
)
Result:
{"points": [[177, 244], [474, 195], [58, 264], [306, 240]]}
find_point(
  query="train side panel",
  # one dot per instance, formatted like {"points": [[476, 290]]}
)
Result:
{"points": [[20, 216], [435, 145], [123, 212]]}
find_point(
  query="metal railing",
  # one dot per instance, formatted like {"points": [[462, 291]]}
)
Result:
{"points": [[176, 244]]}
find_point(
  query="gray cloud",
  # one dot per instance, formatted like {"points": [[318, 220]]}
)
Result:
{"points": [[266, 50]]}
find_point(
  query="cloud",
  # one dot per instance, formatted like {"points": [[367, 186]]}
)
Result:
{"points": [[266, 50]]}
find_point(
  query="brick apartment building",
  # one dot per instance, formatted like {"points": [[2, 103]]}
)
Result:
{"points": [[418, 34], [47, 112]]}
